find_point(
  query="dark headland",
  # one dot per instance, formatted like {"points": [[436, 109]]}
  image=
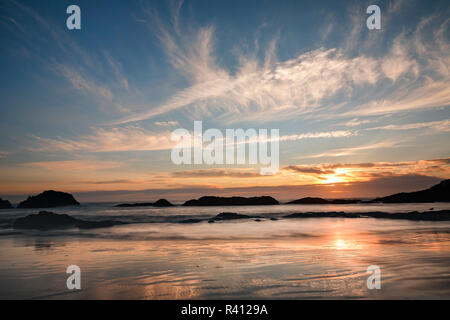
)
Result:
{"points": [[437, 193], [5, 204], [49, 199], [232, 201], [159, 203]]}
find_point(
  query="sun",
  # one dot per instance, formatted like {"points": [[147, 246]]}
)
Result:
{"points": [[333, 179], [337, 177]]}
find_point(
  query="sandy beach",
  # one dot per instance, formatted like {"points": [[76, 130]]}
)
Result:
{"points": [[244, 259]]}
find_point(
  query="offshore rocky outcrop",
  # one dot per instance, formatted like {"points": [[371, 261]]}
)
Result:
{"points": [[5, 204], [310, 200], [46, 220], [159, 203], [231, 201], [49, 199], [441, 215]]}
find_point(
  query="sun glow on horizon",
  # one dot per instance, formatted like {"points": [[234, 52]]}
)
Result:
{"points": [[338, 177]]}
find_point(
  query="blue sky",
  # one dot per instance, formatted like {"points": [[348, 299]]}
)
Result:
{"points": [[92, 109]]}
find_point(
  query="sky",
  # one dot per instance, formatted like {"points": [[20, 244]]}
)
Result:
{"points": [[361, 113]]}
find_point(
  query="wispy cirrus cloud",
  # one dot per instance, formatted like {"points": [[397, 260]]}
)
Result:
{"points": [[84, 84], [322, 81], [286, 88], [435, 126], [109, 182], [166, 123], [127, 138], [135, 138], [316, 135], [100, 77], [3, 154], [222, 173], [74, 165], [339, 152]]}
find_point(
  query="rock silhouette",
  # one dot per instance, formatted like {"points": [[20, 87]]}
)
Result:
{"points": [[49, 199], [323, 215], [231, 201], [310, 200], [189, 221], [46, 220], [442, 215], [159, 203], [437, 193], [230, 216], [5, 204]]}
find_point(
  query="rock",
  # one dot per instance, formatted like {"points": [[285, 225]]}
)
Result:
{"points": [[49, 199], [46, 220], [441, 215], [189, 221], [323, 215], [310, 200], [437, 193], [83, 224], [159, 203], [141, 204], [5, 204], [230, 216], [163, 203], [231, 201], [344, 201]]}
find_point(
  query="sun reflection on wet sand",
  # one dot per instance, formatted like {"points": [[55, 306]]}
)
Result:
{"points": [[321, 259]]}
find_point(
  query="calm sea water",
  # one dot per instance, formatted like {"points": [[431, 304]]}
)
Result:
{"points": [[156, 257]]}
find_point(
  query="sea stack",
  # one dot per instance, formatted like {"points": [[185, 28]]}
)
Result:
{"points": [[5, 204], [310, 200], [159, 203], [232, 201], [49, 199]]}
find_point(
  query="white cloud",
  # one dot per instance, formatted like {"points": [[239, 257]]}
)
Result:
{"points": [[134, 138], [130, 138], [439, 126], [397, 62], [82, 83], [340, 152], [256, 92], [166, 123], [315, 135], [322, 80], [74, 165]]}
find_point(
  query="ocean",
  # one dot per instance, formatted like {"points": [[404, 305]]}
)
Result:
{"points": [[154, 255]]}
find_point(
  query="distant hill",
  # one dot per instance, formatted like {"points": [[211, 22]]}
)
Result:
{"points": [[437, 193], [310, 200], [159, 203], [49, 199], [232, 201], [5, 204]]}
